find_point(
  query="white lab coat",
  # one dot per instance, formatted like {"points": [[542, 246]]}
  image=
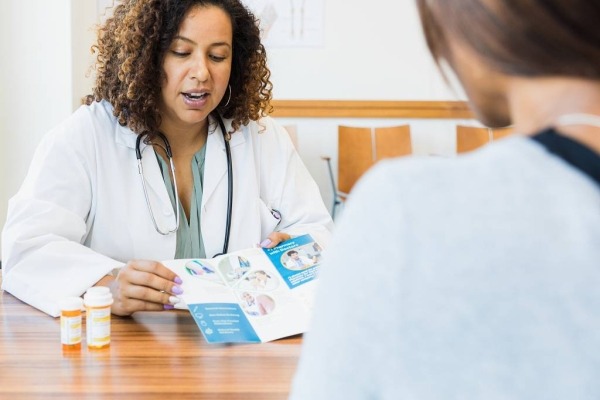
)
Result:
{"points": [[81, 210]]}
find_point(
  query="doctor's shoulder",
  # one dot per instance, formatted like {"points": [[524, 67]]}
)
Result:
{"points": [[81, 131], [269, 134], [86, 120]]}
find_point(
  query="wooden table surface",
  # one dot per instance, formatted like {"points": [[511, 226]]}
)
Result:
{"points": [[152, 355]]}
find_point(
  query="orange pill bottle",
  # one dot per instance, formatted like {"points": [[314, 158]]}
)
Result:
{"points": [[70, 323]]}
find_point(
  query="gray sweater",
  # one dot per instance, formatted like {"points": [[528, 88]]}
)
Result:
{"points": [[469, 278]]}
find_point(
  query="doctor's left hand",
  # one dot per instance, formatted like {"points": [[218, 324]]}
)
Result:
{"points": [[143, 285]]}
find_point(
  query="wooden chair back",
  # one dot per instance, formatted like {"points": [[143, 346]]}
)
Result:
{"points": [[499, 133], [393, 141], [361, 147], [469, 138], [355, 155]]}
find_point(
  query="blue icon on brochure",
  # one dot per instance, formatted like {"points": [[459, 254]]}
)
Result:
{"points": [[208, 331]]}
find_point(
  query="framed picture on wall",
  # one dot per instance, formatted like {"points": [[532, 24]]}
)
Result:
{"points": [[290, 23]]}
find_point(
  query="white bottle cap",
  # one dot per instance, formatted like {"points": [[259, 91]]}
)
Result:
{"points": [[71, 304], [98, 296]]}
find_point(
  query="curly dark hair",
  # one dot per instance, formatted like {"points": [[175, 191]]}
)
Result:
{"points": [[131, 47]]}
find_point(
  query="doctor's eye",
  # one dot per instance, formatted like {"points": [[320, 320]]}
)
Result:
{"points": [[217, 58], [180, 53]]}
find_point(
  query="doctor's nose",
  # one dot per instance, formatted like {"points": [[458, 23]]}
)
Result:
{"points": [[199, 71]]}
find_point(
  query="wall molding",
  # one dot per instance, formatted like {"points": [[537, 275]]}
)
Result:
{"points": [[371, 109]]}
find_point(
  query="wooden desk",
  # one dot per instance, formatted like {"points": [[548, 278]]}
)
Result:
{"points": [[153, 355]]}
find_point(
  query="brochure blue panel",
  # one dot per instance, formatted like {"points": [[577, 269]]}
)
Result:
{"points": [[223, 323], [299, 268]]}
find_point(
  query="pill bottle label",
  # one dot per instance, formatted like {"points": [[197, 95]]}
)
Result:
{"points": [[98, 326], [70, 329]]}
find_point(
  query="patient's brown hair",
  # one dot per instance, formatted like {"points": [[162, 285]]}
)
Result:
{"points": [[519, 37]]}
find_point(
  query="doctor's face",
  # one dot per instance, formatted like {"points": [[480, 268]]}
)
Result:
{"points": [[196, 66]]}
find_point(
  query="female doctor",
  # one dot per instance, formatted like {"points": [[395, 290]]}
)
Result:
{"points": [[173, 157]]}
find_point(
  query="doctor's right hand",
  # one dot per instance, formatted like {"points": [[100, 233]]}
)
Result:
{"points": [[143, 285]]}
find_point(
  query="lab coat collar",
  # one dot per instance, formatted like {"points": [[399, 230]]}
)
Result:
{"points": [[125, 136], [215, 164], [122, 134]]}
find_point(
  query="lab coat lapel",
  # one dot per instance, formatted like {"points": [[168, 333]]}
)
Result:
{"points": [[215, 164], [157, 192], [154, 178]]}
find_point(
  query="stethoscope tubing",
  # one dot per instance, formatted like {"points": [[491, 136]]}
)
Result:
{"points": [[229, 186], [138, 156]]}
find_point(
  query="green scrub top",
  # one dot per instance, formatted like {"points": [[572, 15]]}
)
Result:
{"points": [[189, 234]]}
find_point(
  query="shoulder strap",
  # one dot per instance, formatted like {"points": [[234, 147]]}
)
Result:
{"points": [[576, 154]]}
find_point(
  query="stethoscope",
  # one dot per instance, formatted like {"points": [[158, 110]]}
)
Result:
{"points": [[167, 149]]}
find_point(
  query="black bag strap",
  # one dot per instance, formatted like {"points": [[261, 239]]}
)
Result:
{"points": [[578, 155]]}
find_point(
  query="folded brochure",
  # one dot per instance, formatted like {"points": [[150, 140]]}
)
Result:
{"points": [[254, 295]]}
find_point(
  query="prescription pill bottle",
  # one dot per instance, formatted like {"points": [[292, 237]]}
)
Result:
{"points": [[70, 323], [97, 302]]}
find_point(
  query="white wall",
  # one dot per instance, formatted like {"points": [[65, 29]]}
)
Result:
{"points": [[83, 28], [373, 51], [39, 79]]}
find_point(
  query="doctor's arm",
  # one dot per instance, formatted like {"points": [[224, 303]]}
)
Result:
{"points": [[44, 258]]}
